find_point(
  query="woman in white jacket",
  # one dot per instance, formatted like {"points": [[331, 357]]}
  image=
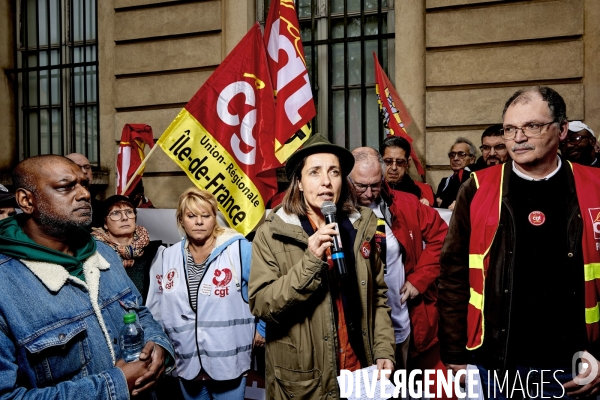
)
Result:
{"points": [[199, 294]]}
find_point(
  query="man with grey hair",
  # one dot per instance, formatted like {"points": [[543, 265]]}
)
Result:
{"points": [[518, 287], [404, 224], [580, 145], [461, 155]]}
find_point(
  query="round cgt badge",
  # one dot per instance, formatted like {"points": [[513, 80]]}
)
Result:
{"points": [[537, 218], [365, 250]]}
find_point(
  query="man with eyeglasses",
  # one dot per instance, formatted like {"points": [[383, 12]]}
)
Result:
{"points": [[86, 168], [493, 149], [395, 151], [518, 287], [411, 270], [461, 155], [580, 145]]}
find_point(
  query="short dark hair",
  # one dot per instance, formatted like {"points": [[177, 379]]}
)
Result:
{"points": [[23, 175], [293, 201], [395, 141], [115, 200], [494, 130], [556, 104]]}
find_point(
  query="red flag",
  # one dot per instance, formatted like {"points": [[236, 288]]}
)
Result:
{"points": [[395, 116], [223, 138], [131, 153], [294, 105]]}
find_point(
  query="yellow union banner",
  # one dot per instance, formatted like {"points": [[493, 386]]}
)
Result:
{"points": [[211, 167]]}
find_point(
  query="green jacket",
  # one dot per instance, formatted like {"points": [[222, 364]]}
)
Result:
{"points": [[289, 290]]}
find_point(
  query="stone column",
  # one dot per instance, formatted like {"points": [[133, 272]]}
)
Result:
{"points": [[107, 96], [238, 17], [409, 77], [10, 143]]}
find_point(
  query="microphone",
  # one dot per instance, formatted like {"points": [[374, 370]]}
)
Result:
{"points": [[337, 252]]}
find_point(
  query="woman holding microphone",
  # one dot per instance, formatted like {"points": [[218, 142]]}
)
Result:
{"points": [[320, 318]]}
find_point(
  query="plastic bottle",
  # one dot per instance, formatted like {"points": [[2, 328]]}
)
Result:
{"points": [[131, 338]]}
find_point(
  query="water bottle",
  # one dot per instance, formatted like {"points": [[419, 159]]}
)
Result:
{"points": [[131, 338]]}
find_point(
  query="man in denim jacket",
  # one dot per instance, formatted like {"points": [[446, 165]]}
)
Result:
{"points": [[64, 296]]}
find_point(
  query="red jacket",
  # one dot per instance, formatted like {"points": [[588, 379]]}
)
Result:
{"points": [[413, 224], [426, 192]]}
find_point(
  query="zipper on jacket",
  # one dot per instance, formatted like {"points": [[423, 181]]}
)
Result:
{"points": [[579, 232], [185, 271], [369, 354], [335, 351], [510, 286], [333, 331]]}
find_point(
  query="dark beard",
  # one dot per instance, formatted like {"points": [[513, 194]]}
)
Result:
{"points": [[57, 227]]}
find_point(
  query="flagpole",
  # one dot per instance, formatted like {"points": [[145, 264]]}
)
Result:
{"points": [[142, 164]]}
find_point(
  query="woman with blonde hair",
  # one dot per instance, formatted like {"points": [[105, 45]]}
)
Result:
{"points": [[199, 294]]}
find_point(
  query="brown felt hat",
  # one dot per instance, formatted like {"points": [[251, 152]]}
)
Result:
{"points": [[318, 144]]}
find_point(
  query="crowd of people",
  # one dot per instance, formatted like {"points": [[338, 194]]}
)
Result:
{"points": [[354, 268]]}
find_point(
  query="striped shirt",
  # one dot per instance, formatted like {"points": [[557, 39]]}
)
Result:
{"points": [[195, 272]]}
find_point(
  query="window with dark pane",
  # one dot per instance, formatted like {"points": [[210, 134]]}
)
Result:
{"points": [[339, 38], [57, 60]]}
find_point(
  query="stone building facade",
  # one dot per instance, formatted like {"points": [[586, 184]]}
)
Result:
{"points": [[455, 63]]}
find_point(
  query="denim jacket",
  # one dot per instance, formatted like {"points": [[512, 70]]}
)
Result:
{"points": [[59, 335]]}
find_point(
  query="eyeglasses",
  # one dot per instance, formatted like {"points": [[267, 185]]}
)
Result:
{"points": [[575, 139], [399, 163], [530, 130], [86, 167], [117, 215], [497, 148], [459, 154], [361, 187]]}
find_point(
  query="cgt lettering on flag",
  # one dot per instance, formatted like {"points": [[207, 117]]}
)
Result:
{"points": [[295, 107], [223, 139]]}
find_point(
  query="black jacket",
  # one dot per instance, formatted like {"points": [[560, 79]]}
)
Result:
{"points": [[453, 286], [478, 165], [447, 191]]}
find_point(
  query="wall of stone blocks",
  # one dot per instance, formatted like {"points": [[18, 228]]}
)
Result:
{"points": [[154, 56], [457, 61], [477, 53]]}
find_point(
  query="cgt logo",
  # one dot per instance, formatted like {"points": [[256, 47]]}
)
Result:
{"points": [[172, 277], [159, 279], [221, 289], [595, 216]]}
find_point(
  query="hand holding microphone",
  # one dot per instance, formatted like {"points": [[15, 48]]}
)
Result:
{"points": [[321, 240], [337, 252]]}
